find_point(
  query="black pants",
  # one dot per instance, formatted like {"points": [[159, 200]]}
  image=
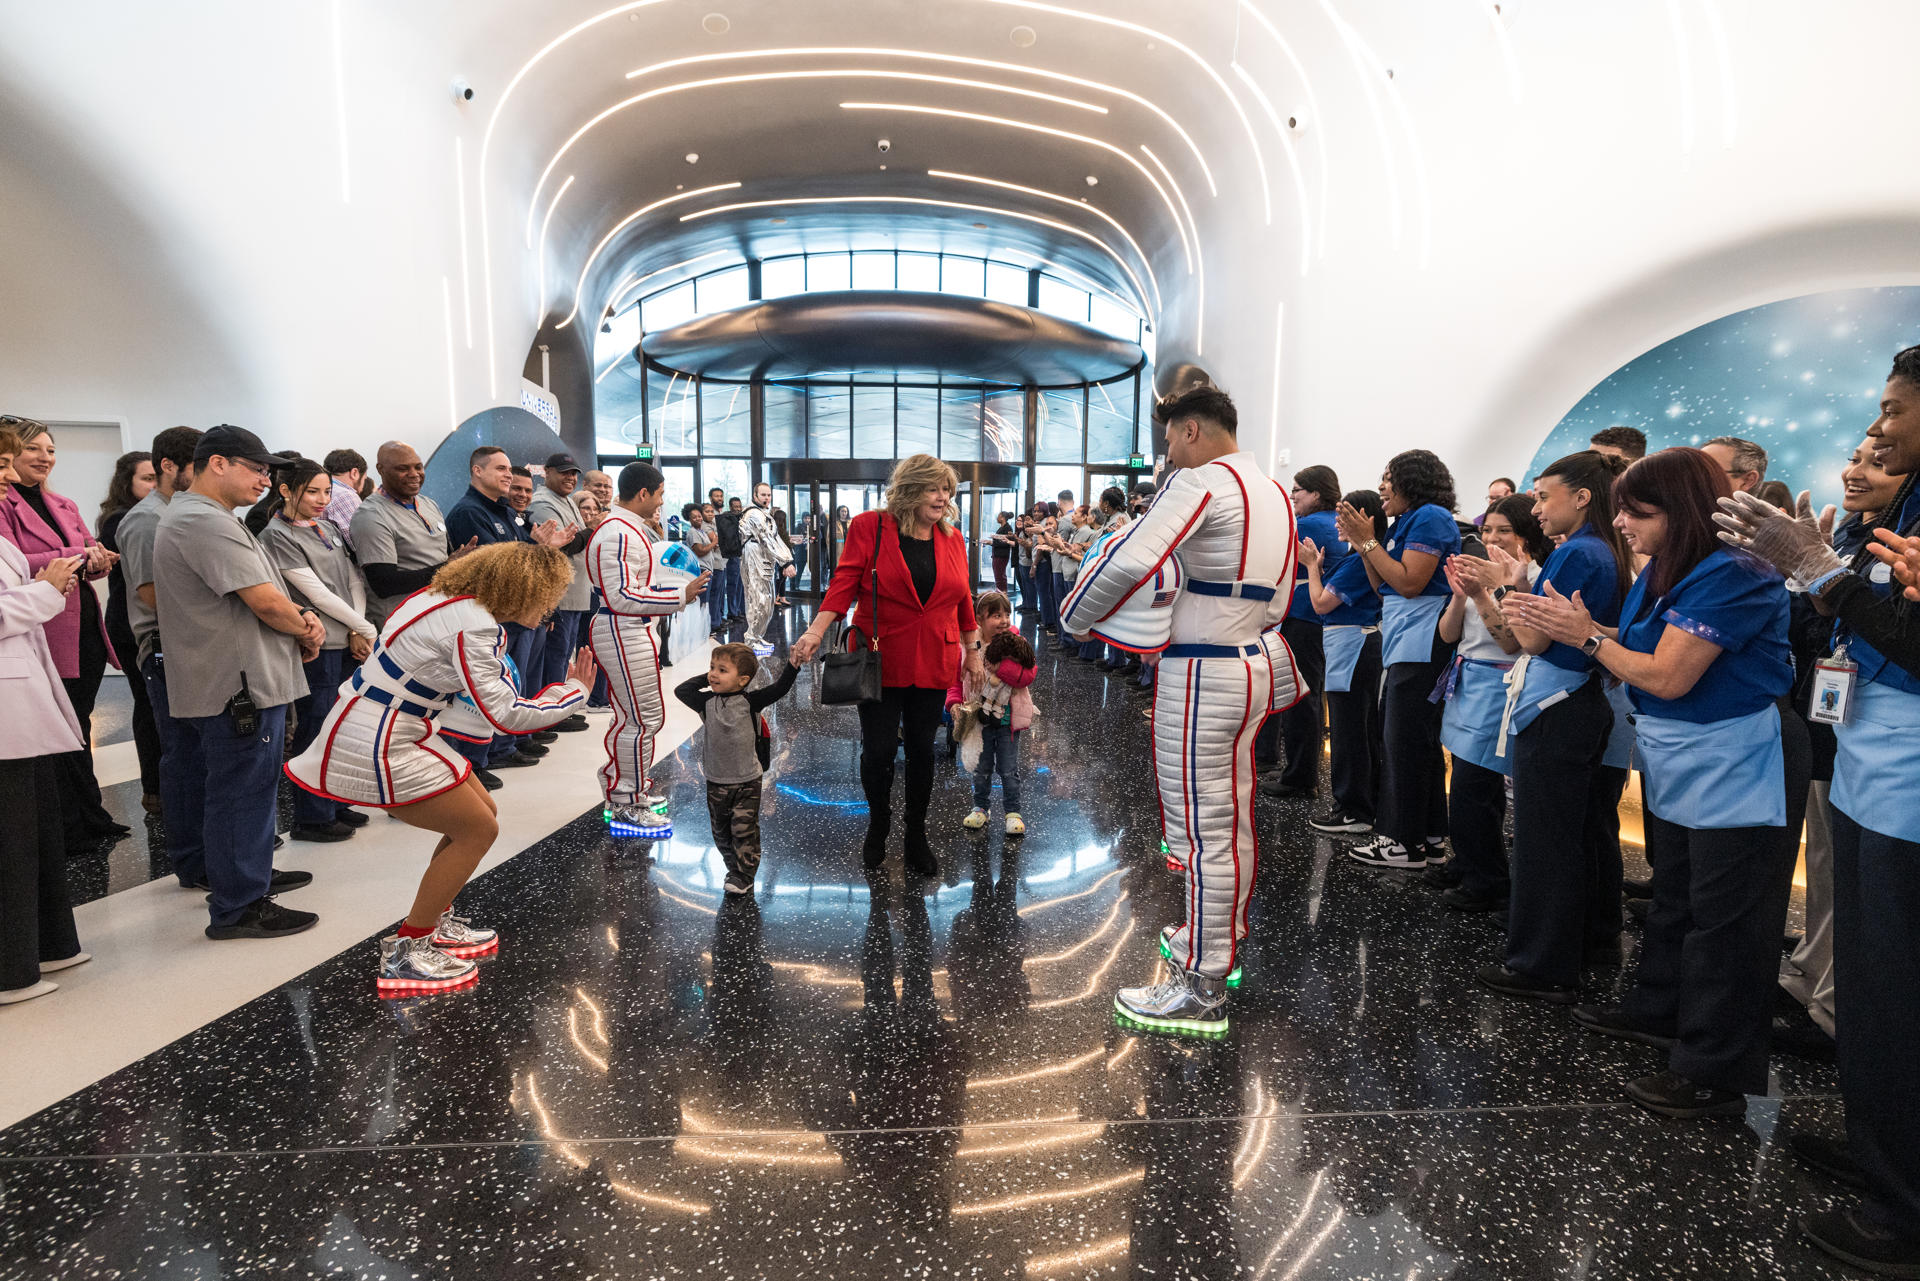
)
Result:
{"points": [[1566, 874], [1876, 961], [1710, 956], [1412, 802], [146, 732], [36, 918], [734, 811], [1476, 825], [912, 714], [1301, 728], [85, 819], [1353, 723]]}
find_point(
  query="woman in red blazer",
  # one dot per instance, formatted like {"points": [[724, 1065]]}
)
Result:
{"points": [[925, 625], [46, 527]]}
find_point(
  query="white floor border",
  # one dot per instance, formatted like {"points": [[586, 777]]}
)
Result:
{"points": [[155, 976]]}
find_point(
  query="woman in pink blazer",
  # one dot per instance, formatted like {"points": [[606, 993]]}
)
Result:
{"points": [[36, 918], [47, 527]]}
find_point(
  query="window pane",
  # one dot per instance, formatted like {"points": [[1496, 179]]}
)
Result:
{"points": [[960, 424], [1147, 342], [786, 422], [727, 474], [727, 423], [963, 276], [1006, 426], [782, 276], [1110, 423], [920, 272], [1109, 317], [680, 484], [873, 270], [1007, 284], [1063, 300], [827, 424], [1060, 428], [873, 422], [721, 290], [826, 271], [667, 308], [619, 344], [1049, 481], [918, 405], [670, 412]]}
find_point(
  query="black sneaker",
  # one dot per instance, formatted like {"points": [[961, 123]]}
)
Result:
{"points": [[572, 725], [1441, 874], [1829, 1157], [1671, 1094], [1462, 899], [1611, 1020], [541, 736], [1848, 1237], [1802, 1037], [1340, 821], [919, 857], [533, 748], [1510, 982], [324, 832], [1282, 790], [873, 851], [488, 779], [264, 919], [279, 883], [352, 818], [517, 760], [1384, 851]]}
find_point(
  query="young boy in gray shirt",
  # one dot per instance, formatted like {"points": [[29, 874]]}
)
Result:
{"points": [[730, 757]]}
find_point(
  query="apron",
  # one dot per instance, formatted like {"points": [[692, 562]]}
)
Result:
{"points": [[1878, 761], [1342, 644], [1619, 754], [1470, 727], [1532, 687], [1723, 774], [1407, 626]]}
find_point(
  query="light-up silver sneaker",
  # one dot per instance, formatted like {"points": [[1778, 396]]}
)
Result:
{"points": [[1184, 1005], [639, 820], [1166, 950], [455, 936], [415, 967]]}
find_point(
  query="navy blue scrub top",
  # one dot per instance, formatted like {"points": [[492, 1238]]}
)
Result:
{"points": [[1734, 601], [1360, 604], [1430, 529], [1584, 563], [1324, 530]]}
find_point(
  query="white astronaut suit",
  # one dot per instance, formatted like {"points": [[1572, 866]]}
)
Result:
{"points": [[1224, 669], [763, 554], [624, 562]]}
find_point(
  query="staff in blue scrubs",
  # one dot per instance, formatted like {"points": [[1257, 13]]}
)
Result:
{"points": [[1702, 644], [1316, 492], [1876, 850], [1476, 701], [1410, 825], [1349, 611], [1565, 910]]}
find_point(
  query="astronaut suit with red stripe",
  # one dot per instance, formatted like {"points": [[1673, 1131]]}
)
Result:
{"points": [[623, 562], [1231, 527]]}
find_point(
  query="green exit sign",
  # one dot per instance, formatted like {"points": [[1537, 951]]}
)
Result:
{"points": [[643, 453], [1137, 462]]}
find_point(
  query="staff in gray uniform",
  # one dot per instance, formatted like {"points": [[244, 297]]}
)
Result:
{"points": [[234, 644], [312, 554], [399, 533], [554, 501], [172, 476]]}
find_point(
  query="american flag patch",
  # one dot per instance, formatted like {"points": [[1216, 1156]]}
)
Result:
{"points": [[1163, 599]]}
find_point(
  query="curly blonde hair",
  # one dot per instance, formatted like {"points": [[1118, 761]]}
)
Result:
{"points": [[510, 580], [909, 485]]}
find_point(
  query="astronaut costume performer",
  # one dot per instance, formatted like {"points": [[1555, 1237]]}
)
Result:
{"points": [[439, 659], [763, 555], [625, 563], [1223, 669]]}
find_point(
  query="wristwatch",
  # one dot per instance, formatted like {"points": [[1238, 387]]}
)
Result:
{"points": [[1367, 546], [1500, 593], [976, 645], [1591, 645]]}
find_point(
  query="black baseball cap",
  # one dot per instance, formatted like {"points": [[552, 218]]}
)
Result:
{"points": [[228, 441], [562, 462]]}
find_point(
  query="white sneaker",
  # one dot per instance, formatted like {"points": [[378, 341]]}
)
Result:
{"points": [[65, 963], [1016, 826], [14, 995], [1384, 851], [976, 820]]}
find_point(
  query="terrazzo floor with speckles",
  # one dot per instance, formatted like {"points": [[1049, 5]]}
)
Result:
{"points": [[849, 1076]]}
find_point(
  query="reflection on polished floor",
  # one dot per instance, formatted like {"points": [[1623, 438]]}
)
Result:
{"points": [[845, 1078]]}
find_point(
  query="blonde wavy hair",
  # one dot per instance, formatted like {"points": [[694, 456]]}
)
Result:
{"points": [[912, 480], [511, 581]]}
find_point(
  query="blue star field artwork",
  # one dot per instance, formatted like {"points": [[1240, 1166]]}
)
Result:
{"points": [[1801, 377]]}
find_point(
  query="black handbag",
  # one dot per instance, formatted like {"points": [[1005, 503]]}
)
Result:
{"points": [[853, 679]]}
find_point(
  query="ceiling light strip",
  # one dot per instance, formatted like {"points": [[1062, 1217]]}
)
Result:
{"points": [[1200, 277], [1423, 191], [1723, 58], [1293, 162], [1381, 135], [844, 51], [1109, 219], [581, 285], [1316, 116], [446, 315], [1139, 288], [340, 101], [1179, 225], [1273, 424], [1515, 88], [466, 272], [830, 73], [1259, 163], [1683, 60], [540, 308]]}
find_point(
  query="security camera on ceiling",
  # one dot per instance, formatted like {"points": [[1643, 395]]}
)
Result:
{"points": [[461, 91], [885, 144]]}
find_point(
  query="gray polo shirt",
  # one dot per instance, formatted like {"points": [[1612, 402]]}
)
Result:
{"points": [[386, 533], [202, 556], [321, 548], [135, 537], [546, 506]]}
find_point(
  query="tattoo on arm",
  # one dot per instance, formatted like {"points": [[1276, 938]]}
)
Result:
{"points": [[1497, 626]]}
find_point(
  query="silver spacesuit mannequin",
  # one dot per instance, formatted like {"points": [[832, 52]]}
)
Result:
{"points": [[1231, 527], [764, 554]]}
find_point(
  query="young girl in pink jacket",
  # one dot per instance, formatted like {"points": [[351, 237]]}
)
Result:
{"points": [[1003, 707]]}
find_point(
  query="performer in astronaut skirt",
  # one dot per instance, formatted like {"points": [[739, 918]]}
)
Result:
{"points": [[1231, 528], [763, 554], [627, 564], [441, 653]]}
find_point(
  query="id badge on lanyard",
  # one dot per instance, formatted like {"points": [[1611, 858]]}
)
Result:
{"points": [[1833, 680]]}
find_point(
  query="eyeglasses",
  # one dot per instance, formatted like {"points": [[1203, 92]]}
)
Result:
{"points": [[249, 464]]}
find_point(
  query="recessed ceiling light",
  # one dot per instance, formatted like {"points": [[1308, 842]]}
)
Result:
{"points": [[716, 24], [693, 157], [633, 17], [883, 166], [1023, 37], [778, 222], [679, 186], [1092, 181], [979, 226]]}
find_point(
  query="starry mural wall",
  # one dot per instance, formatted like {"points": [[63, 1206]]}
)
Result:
{"points": [[1800, 377]]}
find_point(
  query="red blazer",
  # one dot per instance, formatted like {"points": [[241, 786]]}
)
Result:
{"points": [[21, 525], [919, 644]]}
